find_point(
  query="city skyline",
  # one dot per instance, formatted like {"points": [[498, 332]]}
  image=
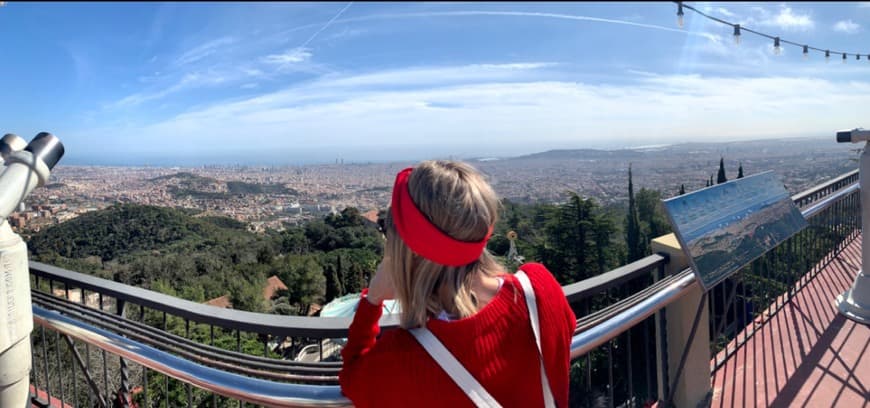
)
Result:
{"points": [[140, 82]]}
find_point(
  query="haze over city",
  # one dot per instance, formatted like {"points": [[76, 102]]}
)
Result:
{"points": [[200, 83]]}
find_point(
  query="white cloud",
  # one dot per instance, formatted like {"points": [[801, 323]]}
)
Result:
{"points": [[292, 56], [268, 67], [650, 109], [864, 4], [440, 76], [250, 85], [204, 50], [785, 19], [723, 11], [190, 80], [847, 26]]}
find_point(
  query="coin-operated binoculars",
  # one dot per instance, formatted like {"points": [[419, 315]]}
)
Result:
{"points": [[855, 302], [27, 166]]}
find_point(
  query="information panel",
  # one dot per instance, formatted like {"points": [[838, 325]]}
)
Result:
{"points": [[724, 227]]}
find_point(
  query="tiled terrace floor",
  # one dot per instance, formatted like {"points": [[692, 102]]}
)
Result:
{"points": [[807, 355]]}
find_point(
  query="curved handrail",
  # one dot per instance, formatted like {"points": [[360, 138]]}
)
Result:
{"points": [[254, 390], [586, 341], [296, 326]]}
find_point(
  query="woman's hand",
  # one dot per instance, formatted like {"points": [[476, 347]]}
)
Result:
{"points": [[381, 286]]}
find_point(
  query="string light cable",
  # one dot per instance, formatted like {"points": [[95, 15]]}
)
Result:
{"points": [[777, 41]]}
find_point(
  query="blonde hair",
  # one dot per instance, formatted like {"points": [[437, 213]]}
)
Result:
{"points": [[457, 200]]}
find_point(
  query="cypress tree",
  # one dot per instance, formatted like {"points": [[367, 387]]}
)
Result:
{"points": [[633, 238], [711, 179], [740, 171], [682, 189], [721, 176]]}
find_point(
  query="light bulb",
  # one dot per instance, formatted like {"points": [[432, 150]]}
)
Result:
{"points": [[736, 34], [680, 14], [806, 52], [776, 48], [844, 57], [827, 56]]}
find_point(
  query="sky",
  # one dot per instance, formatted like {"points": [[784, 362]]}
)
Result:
{"points": [[295, 83]]}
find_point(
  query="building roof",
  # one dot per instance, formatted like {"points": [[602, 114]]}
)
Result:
{"points": [[371, 216], [273, 284], [222, 302]]}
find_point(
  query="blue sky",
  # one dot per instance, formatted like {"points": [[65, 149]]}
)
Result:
{"points": [[192, 83]]}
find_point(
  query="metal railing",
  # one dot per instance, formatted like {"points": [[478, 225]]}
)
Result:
{"points": [[189, 354], [123, 311]]}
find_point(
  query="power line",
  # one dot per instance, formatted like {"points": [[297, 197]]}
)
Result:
{"points": [[777, 41]]}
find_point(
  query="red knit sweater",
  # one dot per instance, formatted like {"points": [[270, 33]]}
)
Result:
{"points": [[496, 345]]}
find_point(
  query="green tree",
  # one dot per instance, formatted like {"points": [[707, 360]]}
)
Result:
{"points": [[334, 287], [304, 278], [740, 171], [577, 242], [634, 235], [653, 221], [682, 189], [720, 178]]}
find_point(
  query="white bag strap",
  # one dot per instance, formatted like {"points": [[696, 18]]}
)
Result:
{"points": [[532, 304], [463, 378], [454, 369]]}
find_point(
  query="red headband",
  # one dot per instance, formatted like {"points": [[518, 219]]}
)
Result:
{"points": [[423, 237]]}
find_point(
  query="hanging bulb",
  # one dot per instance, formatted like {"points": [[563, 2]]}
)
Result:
{"points": [[736, 34], [857, 57], [806, 52], [827, 56], [844, 57], [776, 48], [680, 14]]}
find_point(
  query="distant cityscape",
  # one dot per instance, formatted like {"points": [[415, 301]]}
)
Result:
{"points": [[269, 196]]}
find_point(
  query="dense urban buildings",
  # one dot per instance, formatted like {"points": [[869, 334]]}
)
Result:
{"points": [[269, 197]]}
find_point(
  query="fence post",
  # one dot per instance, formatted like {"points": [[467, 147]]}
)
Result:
{"points": [[693, 387]]}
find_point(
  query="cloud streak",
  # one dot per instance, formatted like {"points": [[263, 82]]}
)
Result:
{"points": [[325, 26], [484, 13], [204, 50]]}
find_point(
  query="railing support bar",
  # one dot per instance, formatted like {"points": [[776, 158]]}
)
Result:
{"points": [[673, 387], [94, 387]]}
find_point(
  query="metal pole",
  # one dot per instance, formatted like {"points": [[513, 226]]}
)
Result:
{"points": [[855, 302]]}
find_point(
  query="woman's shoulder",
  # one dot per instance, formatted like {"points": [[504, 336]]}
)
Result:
{"points": [[539, 275]]}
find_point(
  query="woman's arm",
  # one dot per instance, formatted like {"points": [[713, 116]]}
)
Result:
{"points": [[361, 337]]}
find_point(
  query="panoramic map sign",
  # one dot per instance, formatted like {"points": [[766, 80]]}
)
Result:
{"points": [[724, 227]]}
